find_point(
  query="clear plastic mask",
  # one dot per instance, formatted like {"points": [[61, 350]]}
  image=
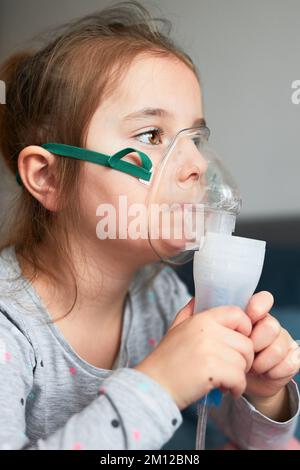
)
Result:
{"points": [[195, 193]]}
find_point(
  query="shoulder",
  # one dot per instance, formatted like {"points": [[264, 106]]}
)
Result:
{"points": [[9, 271], [171, 288], [14, 329], [166, 294], [15, 343]]}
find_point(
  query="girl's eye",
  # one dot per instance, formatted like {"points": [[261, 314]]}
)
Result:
{"points": [[152, 132]]}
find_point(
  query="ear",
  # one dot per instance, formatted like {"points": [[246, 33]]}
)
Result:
{"points": [[36, 168]]}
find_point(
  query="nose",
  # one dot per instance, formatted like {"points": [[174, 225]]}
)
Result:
{"points": [[193, 167]]}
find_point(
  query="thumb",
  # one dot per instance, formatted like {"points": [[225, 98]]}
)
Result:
{"points": [[186, 312]]}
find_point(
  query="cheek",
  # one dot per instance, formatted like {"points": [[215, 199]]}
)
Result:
{"points": [[117, 190]]}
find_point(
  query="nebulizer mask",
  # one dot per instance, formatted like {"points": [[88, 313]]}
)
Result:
{"points": [[200, 196], [192, 205]]}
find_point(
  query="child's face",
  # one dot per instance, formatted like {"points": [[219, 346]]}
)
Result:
{"points": [[150, 82]]}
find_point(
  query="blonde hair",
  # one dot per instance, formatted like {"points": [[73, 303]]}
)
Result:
{"points": [[81, 63]]}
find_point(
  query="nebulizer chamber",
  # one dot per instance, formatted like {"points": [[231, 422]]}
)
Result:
{"points": [[226, 268]]}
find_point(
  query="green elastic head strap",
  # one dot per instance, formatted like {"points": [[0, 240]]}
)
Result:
{"points": [[114, 161]]}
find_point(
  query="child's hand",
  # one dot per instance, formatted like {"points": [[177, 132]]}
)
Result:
{"points": [[202, 351], [277, 355]]}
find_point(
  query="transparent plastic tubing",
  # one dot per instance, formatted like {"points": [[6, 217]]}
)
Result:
{"points": [[226, 271]]}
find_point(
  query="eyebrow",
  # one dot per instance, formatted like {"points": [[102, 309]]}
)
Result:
{"points": [[145, 113]]}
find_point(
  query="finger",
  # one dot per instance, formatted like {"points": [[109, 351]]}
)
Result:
{"points": [[184, 313], [233, 357], [259, 305], [265, 332], [273, 354], [234, 380], [232, 317], [289, 366], [240, 343]]}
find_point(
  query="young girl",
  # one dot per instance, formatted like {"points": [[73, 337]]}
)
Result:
{"points": [[99, 345]]}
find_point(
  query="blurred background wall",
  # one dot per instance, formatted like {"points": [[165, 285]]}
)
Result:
{"points": [[248, 56]]}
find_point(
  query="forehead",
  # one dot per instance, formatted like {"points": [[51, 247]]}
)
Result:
{"points": [[159, 82]]}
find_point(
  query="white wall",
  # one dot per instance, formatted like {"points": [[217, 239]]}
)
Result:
{"points": [[248, 56]]}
